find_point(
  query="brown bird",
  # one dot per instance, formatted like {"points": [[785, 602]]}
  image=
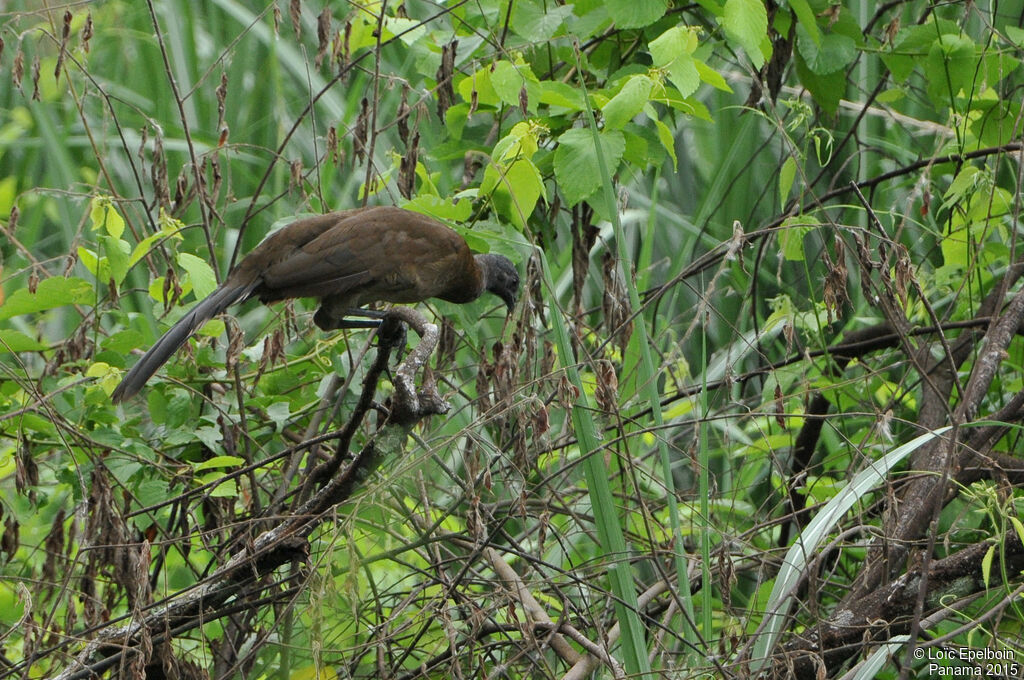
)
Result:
{"points": [[346, 259]]}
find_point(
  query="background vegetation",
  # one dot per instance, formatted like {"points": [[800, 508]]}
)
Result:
{"points": [[757, 409]]}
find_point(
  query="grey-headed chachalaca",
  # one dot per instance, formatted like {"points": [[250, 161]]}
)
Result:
{"points": [[346, 259]]}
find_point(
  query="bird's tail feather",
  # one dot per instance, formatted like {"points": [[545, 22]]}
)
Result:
{"points": [[209, 307]]}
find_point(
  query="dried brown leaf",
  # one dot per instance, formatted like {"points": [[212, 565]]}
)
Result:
{"points": [[607, 389], [9, 541], [86, 35], [407, 168], [158, 172], [35, 78], [295, 177], [402, 116], [332, 143], [360, 136], [295, 12], [18, 68], [445, 89], [62, 52], [323, 36], [222, 94]]}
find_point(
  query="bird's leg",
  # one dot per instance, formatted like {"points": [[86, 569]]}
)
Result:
{"points": [[391, 336], [330, 318], [395, 336]]}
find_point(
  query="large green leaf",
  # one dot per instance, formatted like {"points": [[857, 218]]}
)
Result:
{"points": [[831, 53], [636, 13], [630, 101], [536, 20], [53, 292], [746, 24], [576, 166], [200, 273], [951, 67], [16, 341]]}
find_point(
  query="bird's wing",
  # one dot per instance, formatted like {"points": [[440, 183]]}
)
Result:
{"points": [[317, 259], [377, 254], [315, 267]]}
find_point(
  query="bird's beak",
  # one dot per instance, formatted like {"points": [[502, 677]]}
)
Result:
{"points": [[510, 302]]}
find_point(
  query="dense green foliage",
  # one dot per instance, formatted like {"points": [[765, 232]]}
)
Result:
{"points": [[756, 409]]}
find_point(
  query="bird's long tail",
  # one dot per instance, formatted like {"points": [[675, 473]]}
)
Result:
{"points": [[216, 302]]}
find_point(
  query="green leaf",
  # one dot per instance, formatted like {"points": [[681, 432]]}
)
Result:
{"points": [[826, 90], [668, 141], [16, 341], [508, 81], [521, 142], [8, 192], [122, 342], [590, 17], [786, 176], [117, 257], [479, 82], [711, 76], [141, 248], [218, 462], [109, 376], [831, 53], [986, 561], [966, 182], [554, 93], [226, 489], [199, 272], [1015, 35], [511, 179], [637, 150], [170, 227], [443, 209], [910, 44], [602, 499], [630, 101], [92, 262], [156, 289], [51, 293], [673, 51], [791, 236], [279, 413], [805, 18], [576, 168], [409, 31], [672, 44], [515, 188], [455, 119], [104, 216], [746, 25], [213, 328], [949, 68], [635, 13], [890, 96], [210, 436], [538, 21], [684, 75], [1018, 527]]}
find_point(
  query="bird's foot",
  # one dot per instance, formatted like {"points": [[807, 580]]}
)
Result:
{"points": [[393, 334]]}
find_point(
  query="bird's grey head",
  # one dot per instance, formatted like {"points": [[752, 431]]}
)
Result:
{"points": [[500, 277]]}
